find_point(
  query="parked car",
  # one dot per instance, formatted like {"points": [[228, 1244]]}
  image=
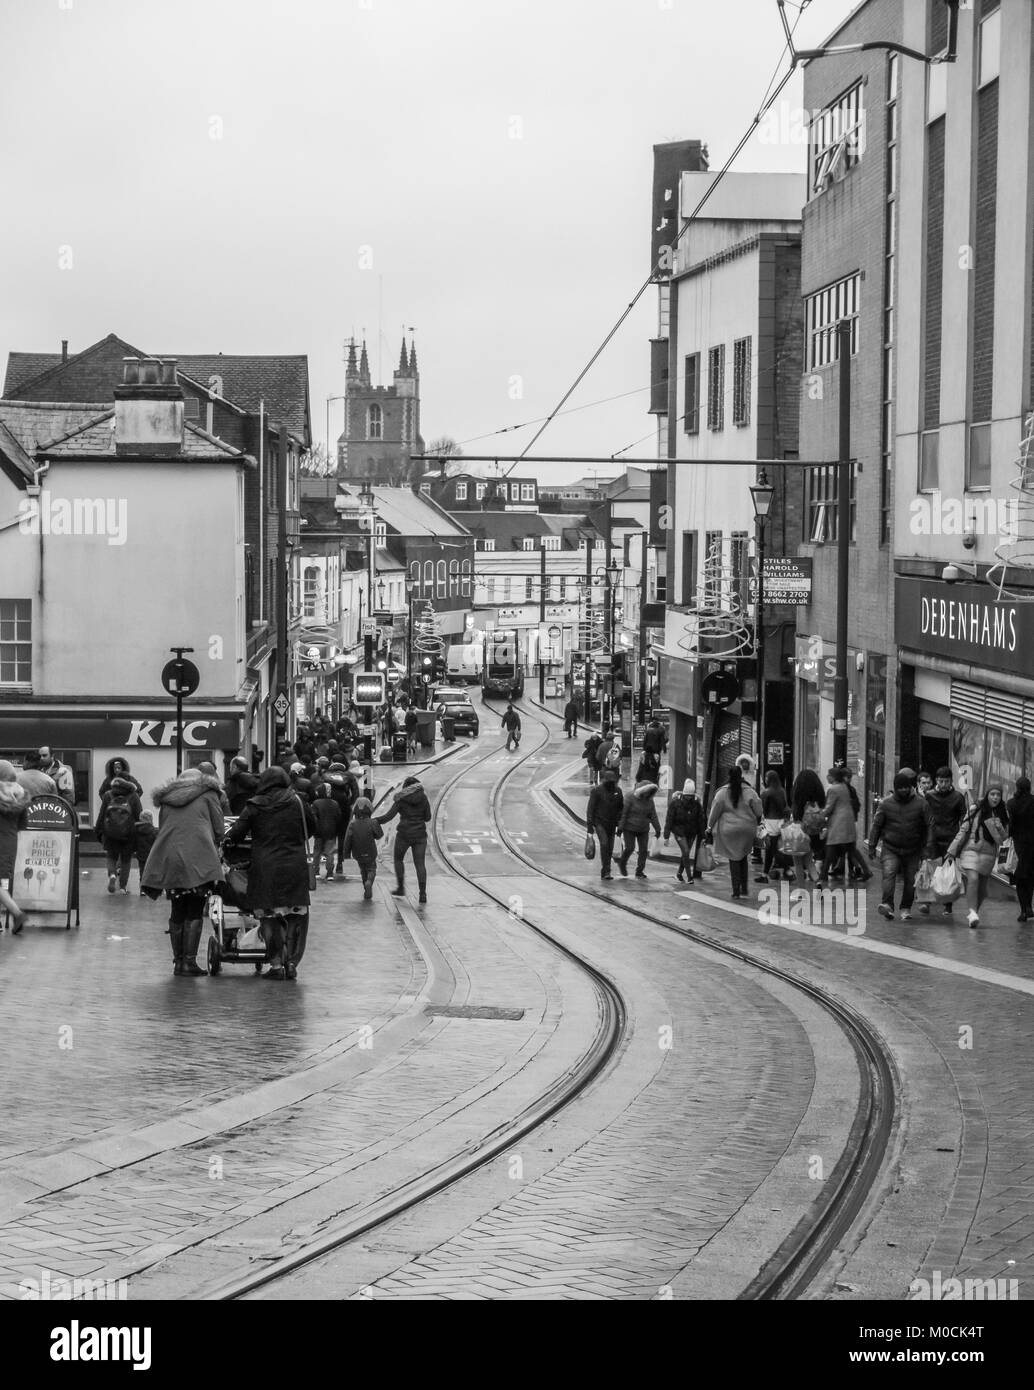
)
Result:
{"points": [[450, 695], [463, 714]]}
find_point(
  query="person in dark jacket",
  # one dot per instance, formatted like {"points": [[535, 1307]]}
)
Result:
{"points": [[655, 740], [637, 816], [511, 722], [571, 719], [327, 815], [807, 791], [947, 807], [344, 789], [902, 822], [301, 782], [241, 785], [184, 861], [608, 752], [774, 807], [361, 842], [209, 771], [687, 822], [117, 767], [589, 752], [1020, 808], [279, 822], [414, 811], [603, 815], [13, 801], [145, 832], [116, 830], [411, 724]]}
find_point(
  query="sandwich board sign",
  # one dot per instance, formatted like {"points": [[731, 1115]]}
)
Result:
{"points": [[46, 861]]}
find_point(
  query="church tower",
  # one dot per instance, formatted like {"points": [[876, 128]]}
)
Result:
{"points": [[382, 423]]}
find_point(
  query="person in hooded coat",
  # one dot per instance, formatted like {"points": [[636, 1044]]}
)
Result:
{"points": [[414, 811], [118, 767], [13, 801], [1021, 827], [637, 816], [118, 840], [685, 820], [603, 815], [279, 822], [184, 860]]}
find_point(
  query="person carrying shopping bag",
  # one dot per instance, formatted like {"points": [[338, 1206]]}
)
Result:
{"points": [[983, 829], [735, 813]]}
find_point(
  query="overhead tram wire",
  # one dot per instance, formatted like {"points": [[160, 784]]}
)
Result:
{"points": [[769, 101]]}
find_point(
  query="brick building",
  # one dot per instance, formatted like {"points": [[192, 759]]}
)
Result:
{"points": [[382, 423]]}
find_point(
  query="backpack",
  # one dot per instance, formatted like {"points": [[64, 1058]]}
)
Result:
{"points": [[612, 762], [119, 822]]}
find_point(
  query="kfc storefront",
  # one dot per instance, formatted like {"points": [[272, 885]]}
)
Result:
{"points": [[967, 693], [88, 739]]}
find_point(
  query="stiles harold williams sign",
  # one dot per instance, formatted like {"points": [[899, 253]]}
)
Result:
{"points": [[964, 622], [787, 580]]}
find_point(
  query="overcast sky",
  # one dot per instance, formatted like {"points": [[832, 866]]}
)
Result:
{"points": [[219, 167]]}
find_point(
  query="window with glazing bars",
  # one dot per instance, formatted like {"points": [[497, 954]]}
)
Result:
{"points": [[823, 311], [741, 381], [692, 416], [716, 388], [15, 641], [823, 497], [837, 139]]}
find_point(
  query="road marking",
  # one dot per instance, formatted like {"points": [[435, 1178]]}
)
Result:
{"points": [[879, 948]]}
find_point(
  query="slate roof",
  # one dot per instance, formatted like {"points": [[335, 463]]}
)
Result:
{"points": [[37, 423], [14, 461], [406, 513], [97, 436], [92, 375]]}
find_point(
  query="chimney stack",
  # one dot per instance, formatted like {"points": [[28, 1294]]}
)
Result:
{"points": [[149, 408], [64, 349]]}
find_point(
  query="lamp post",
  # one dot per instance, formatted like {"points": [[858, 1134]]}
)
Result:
{"points": [[761, 494], [410, 590], [613, 575]]}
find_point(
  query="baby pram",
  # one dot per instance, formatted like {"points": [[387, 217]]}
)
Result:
{"points": [[227, 910]]}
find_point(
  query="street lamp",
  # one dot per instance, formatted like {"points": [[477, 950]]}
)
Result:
{"points": [[410, 591], [613, 573], [761, 494]]}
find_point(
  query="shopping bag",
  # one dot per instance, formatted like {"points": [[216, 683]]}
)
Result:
{"points": [[590, 846], [250, 940], [1006, 862], [948, 883], [772, 825], [924, 881], [793, 840], [705, 859]]}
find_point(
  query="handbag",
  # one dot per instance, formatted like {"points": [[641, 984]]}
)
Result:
{"points": [[704, 859], [793, 840], [590, 846], [310, 862], [813, 822]]}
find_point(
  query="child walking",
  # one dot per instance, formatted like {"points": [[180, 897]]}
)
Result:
{"points": [[145, 832], [361, 842]]}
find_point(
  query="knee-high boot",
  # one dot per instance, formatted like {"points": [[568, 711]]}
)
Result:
{"points": [[191, 941], [176, 941]]}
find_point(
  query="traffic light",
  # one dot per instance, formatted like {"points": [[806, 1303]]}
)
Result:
{"points": [[439, 669]]}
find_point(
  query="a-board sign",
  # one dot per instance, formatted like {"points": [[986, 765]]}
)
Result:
{"points": [[46, 875]]}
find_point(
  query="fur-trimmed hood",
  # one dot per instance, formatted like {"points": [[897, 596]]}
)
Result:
{"points": [[187, 787], [645, 789], [410, 793]]}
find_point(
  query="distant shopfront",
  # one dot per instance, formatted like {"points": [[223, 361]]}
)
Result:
{"points": [[967, 697], [87, 739]]}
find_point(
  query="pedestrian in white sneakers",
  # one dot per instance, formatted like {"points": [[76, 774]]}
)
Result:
{"points": [[976, 847]]}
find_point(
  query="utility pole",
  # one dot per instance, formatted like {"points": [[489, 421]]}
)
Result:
{"points": [[282, 578], [542, 619], [588, 624], [843, 545]]}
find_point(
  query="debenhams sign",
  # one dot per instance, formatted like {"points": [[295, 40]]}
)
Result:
{"points": [[965, 622]]}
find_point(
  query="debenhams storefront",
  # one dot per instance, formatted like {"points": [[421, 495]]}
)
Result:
{"points": [[967, 681]]}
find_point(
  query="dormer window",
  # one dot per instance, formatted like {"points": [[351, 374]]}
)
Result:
{"points": [[461, 492], [529, 543]]}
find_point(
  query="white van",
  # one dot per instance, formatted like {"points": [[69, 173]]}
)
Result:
{"points": [[463, 664]]}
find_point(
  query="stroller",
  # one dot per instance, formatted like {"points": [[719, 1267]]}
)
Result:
{"points": [[227, 910]]}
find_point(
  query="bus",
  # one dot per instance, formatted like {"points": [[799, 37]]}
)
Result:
{"points": [[503, 671]]}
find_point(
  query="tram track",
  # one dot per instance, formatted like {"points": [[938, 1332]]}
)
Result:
{"points": [[610, 1030], [799, 1259]]}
